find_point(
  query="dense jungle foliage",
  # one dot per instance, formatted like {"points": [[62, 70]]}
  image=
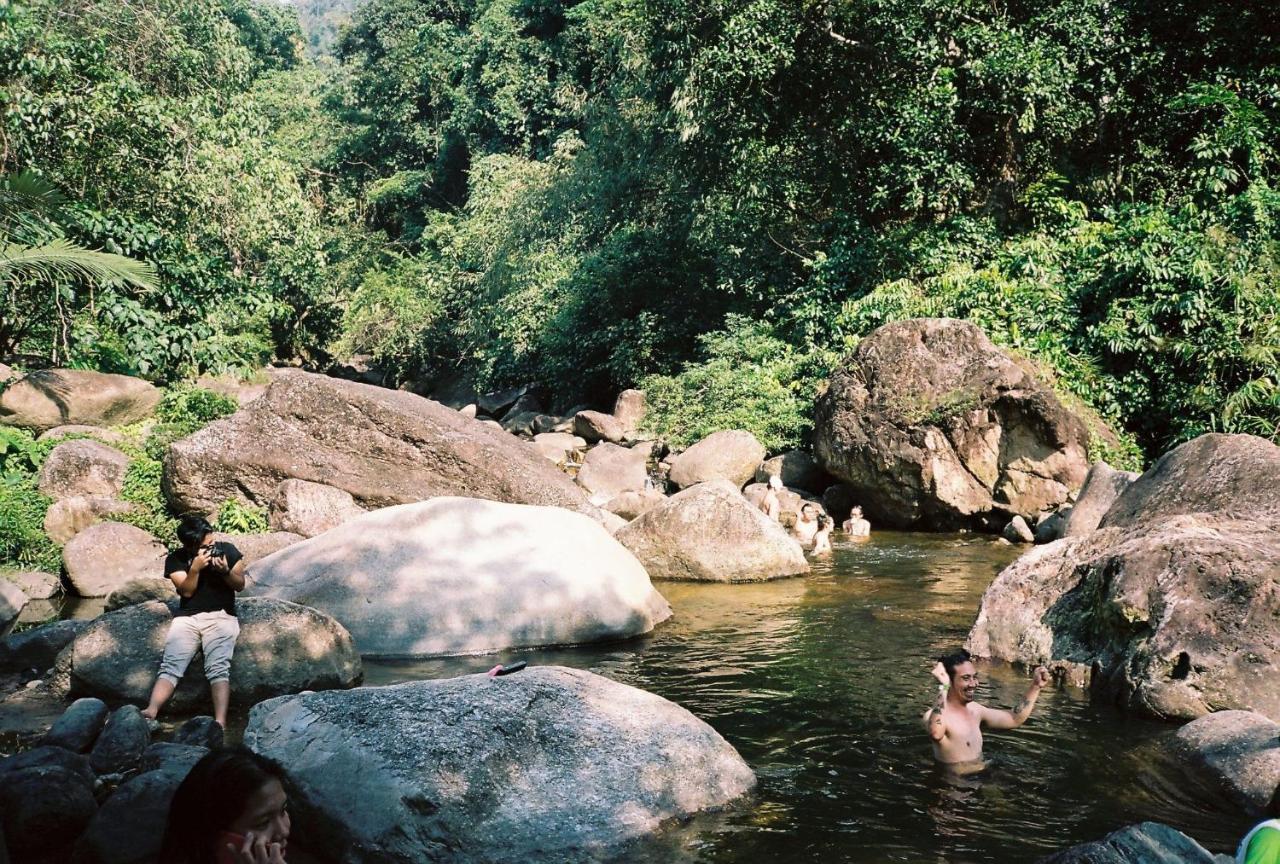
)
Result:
{"points": [[712, 200]]}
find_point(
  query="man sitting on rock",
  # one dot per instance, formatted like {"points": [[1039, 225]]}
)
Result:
{"points": [[207, 575], [855, 526], [955, 721]]}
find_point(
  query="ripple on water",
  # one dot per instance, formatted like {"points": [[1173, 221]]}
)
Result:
{"points": [[821, 682]]}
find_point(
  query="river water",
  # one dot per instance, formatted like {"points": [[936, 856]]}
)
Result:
{"points": [[820, 683]]}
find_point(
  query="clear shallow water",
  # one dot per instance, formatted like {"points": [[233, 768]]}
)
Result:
{"points": [[820, 683]]}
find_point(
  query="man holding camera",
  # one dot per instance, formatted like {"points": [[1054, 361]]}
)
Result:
{"points": [[207, 575]]}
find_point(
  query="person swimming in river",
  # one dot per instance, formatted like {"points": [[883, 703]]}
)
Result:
{"points": [[855, 526], [806, 527], [822, 539], [955, 721]]}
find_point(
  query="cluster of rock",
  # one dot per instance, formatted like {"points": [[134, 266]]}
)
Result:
{"points": [[1169, 606], [96, 788]]}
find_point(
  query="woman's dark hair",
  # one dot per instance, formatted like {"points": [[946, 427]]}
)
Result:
{"points": [[951, 661], [192, 529], [211, 797], [823, 520]]}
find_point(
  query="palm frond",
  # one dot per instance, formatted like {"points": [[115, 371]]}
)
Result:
{"points": [[60, 259], [27, 201]]}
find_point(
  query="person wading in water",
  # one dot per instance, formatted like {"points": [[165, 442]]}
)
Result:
{"points": [[955, 721]]}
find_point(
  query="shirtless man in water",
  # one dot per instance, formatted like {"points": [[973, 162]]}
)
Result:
{"points": [[955, 721]]}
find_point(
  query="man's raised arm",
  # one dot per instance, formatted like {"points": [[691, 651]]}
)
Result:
{"points": [[933, 719], [997, 718]]}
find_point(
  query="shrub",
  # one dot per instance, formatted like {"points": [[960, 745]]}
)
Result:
{"points": [[23, 542], [749, 379], [235, 517]]}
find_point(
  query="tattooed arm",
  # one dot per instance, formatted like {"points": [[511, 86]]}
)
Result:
{"points": [[933, 720], [998, 719]]}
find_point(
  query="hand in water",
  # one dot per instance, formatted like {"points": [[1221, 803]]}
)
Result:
{"points": [[940, 672]]}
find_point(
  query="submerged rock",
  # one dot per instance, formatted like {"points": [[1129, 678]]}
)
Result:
{"points": [[549, 764], [462, 575], [711, 533], [1144, 843], [936, 428], [384, 447]]}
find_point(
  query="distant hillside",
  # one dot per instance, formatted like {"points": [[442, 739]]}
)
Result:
{"points": [[321, 21]]}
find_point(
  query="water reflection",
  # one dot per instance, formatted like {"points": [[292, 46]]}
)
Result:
{"points": [[821, 682]]}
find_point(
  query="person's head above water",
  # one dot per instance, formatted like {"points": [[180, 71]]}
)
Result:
{"points": [[962, 672], [823, 521], [231, 790], [193, 529], [807, 512], [855, 512]]}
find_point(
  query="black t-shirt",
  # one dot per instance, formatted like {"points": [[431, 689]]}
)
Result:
{"points": [[212, 591]]}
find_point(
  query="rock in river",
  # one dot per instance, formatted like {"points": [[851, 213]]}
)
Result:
{"points": [[711, 533], [282, 648], [934, 427], [549, 764], [463, 575], [732, 454], [1234, 753], [1176, 613], [384, 447], [1145, 843]]}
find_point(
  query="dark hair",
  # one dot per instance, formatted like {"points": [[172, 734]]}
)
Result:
{"points": [[213, 796], [805, 506], [951, 661], [823, 520], [193, 528]]}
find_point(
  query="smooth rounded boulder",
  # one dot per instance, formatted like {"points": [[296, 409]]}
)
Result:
{"points": [[731, 454], [255, 546], [69, 516], [711, 533], [1234, 753], [36, 584], [1228, 476], [595, 426], [44, 809], [935, 428], [60, 397], [78, 727], [549, 764], [630, 505], [466, 575], [557, 446], [384, 447], [107, 555], [307, 509], [282, 648], [797, 470], [609, 470], [83, 467]]}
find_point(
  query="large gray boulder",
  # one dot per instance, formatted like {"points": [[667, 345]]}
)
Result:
{"points": [[12, 602], [550, 764], [463, 575], [384, 447], [122, 741], [140, 590], [731, 454], [1229, 476], [629, 410], [1174, 621], [307, 509], [282, 648], [105, 556], [609, 470], [1236, 754], [934, 427], [58, 397], [38, 647], [1102, 486], [68, 517], [710, 533], [557, 446], [255, 546], [44, 809], [594, 426], [631, 505], [1144, 843], [83, 467], [797, 469]]}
